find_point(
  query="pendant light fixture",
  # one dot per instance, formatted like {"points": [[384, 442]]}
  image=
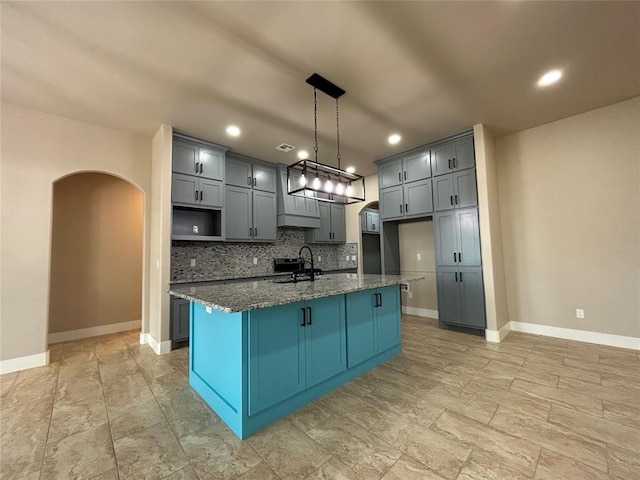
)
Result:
{"points": [[311, 178]]}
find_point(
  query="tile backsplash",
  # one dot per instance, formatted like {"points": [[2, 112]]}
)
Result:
{"points": [[216, 260]]}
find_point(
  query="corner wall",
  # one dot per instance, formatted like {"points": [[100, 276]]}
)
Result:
{"points": [[570, 211], [38, 149]]}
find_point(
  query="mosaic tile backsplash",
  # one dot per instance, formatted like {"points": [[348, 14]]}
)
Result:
{"points": [[222, 260]]}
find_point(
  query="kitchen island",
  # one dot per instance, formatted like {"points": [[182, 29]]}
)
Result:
{"points": [[261, 350]]}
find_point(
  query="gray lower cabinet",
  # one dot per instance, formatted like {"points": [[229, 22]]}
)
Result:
{"points": [[461, 296], [332, 225], [179, 318], [250, 215], [191, 190], [193, 158], [455, 190], [243, 171], [452, 156], [457, 237], [406, 201]]}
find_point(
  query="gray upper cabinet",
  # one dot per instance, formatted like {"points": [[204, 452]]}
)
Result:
{"points": [[245, 172], [188, 190], [409, 168], [455, 190], [410, 200], [390, 173], [294, 210], [192, 158], [457, 236], [250, 215], [453, 156], [264, 213], [332, 225]]}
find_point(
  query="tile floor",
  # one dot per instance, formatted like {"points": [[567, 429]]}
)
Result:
{"points": [[450, 407]]}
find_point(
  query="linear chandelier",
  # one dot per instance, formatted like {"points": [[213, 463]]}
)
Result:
{"points": [[310, 178]]}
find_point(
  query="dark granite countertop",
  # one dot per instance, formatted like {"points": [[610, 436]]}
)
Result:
{"points": [[241, 296]]}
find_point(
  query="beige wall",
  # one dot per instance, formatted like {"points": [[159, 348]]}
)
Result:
{"points": [[37, 150], [417, 238], [570, 210], [96, 252]]}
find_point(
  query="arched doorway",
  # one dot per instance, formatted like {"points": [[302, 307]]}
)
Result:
{"points": [[370, 238], [96, 256]]}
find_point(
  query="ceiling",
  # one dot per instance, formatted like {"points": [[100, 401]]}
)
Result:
{"points": [[421, 69]]}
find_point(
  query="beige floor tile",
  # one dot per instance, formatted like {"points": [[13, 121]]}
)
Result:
{"points": [[501, 380], [429, 375], [166, 385], [419, 357], [110, 372], [76, 390], [552, 466], [624, 413], [404, 380], [139, 415], [621, 393], [153, 452], [513, 400], [120, 394], [6, 382], [519, 454], [531, 354], [572, 350], [311, 416], [406, 468], [502, 370], [23, 453], [110, 475], [187, 412], [156, 367], [357, 448], [411, 406], [483, 466], [24, 418], [599, 429], [334, 469], [534, 365], [460, 401], [568, 398], [260, 472], [82, 455], [552, 437], [623, 464], [216, 453], [288, 451], [73, 417], [508, 358]]}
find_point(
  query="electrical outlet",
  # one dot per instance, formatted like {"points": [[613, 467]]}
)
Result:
{"points": [[419, 256], [193, 262], [195, 229], [410, 294], [255, 260], [353, 258], [579, 313], [347, 258], [319, 258]]}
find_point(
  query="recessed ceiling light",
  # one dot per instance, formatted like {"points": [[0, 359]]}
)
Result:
{"points": [[549, 78], [395, 138], [351, 169], [233, 131], [302, 154]]}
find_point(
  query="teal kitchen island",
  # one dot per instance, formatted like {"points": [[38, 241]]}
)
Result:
{"points": [[261, 350]]}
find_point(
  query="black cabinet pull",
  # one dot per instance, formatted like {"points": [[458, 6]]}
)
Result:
{"points": [[196, 165], [451, 198], [454, 163], [201, 167], [200, 195], [456, 195], [399, 176], [250, 230], [380, 297], [460, 257], [400, 208], [310, 316], [449, 164], [405, 175], [304, 317], [255, 232], [454, 257], [375, 295], [254, 181], [406, 208], [249, 181], [456, 276], [460, 276], [196, 196]]}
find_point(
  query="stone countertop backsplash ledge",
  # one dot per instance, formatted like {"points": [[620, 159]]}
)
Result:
{"points": [[242, 296], [226, 260]]}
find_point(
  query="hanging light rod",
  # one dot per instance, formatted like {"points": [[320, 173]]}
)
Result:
{"points": [[325, 86]]}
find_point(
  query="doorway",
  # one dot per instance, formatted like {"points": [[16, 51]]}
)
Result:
{"points": [[96, 256], [370, 238]]}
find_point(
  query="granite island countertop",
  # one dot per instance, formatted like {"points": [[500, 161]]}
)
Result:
{"points": [[242, 296]]}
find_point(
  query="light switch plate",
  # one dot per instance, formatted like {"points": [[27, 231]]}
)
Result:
{"points": [[193, 262], [353, 258], [579, 313], [419, 256], [255, 260]]}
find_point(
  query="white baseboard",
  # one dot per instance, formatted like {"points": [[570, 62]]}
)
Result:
{"points": [[620, 341], [496, 336], [420, 312], [159, 347], [93, 331], [24, 363]]}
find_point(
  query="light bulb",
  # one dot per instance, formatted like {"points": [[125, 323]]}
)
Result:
{"points": [[349, 190], [303, 180], [328, 186], [316, 183], [340, 188]]}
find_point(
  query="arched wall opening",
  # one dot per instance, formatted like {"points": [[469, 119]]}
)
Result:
{"points": [[370, 242], [96, 256]]}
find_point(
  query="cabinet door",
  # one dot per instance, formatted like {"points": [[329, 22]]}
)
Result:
{"points": [[418, 199], [326, 347], [361, 328], [180, 315], [264, 216], [184, 157], [390, 173], [373, 222], [212, 163], [264, 178], [443, 192], [472, 312], [212, 193], [238, 222], [448, 294], [322, 234], [463, 154], [465, 190], [338, 227], [388, 318], [183, 188], [468, 233], [276, 355], [446, 235], [311, 207], [391, 203], [238, 172], [416, 166], [441, 159]]}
